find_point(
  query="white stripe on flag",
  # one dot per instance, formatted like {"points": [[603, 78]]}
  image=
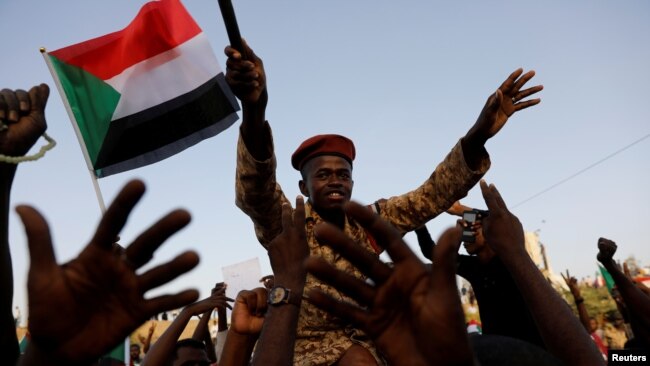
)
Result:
{"points": [[165, 76]]}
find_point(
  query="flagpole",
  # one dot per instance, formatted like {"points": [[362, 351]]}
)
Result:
{"points": [[75, 126], [230, 21]]}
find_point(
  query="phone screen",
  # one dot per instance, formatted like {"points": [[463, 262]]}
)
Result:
{"points": [[469, 216]]}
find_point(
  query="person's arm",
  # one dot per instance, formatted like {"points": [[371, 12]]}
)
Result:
{"points": [[413, 314], [202, 334], [561, 331], [645, 289], [247, 79], [222, 331], [23, 115], [636, 301], [202, 330], [572, 283], [465, 164], [286, 253], [161, 351], [84, 308], [247, 319], [425, 241], [457, 209], [256, 190], [147, 342]]}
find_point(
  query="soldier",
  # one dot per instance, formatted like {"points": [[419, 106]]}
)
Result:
{"points": [[325, 163]]}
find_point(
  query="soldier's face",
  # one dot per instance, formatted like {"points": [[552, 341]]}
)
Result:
{"points": [[327, 181]]}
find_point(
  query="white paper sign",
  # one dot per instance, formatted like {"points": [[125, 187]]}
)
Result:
{"points": [[242, 276]]}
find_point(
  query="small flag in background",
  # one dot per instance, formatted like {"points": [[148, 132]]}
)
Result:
{"points": [[144, 93], [609, 281]]}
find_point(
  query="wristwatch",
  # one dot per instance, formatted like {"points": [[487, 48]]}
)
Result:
{"points": [[279, 295]]}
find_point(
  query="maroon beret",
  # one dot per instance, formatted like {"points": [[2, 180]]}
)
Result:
{"points": [[318, 145]]}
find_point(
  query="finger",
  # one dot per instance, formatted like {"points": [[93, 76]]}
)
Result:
{"points": [[351, 286], [39, 241], [249, 300], [166, 272], [523, 80], [444, 265], [361, 258], [345, 311], [261, 303], [510, 81], [11, 105], [38, 96], [232, 53], [529, 103], [23, 99], [384, 233], [497, 196], [287, 220], [299, 212], [528, 92], [117, 213], [244, 70], [141, 250], [169, 302], [488, 196]]}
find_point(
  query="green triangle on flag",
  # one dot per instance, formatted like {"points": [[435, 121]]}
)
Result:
{"points": [[92, 101]]}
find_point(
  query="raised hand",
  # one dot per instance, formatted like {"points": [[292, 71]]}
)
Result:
{"points": [[507, 100], [572, 283], [247, 316], [501, 228], [606, 251], [23, 114], [414, 315], [245, 75], [82, 309]]}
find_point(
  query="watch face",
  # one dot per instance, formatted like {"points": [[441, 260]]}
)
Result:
{"points": [[277, 295]]}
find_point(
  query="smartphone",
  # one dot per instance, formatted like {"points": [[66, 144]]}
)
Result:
{"points": [[470, 218]]}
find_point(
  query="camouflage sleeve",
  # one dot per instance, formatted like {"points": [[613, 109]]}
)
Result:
{"points": [[449, 182], [257, 192]]}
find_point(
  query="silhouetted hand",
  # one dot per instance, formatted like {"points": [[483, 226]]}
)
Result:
{"points": [[413, 315], [572, 283], [245, 75], [82, 309], [501, 105], [24, 115], [606, 251], [501, 228]]}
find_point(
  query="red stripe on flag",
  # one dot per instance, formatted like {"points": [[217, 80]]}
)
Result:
{"points": [[158, 27]]}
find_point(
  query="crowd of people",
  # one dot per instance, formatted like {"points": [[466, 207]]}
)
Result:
{"points": [[331, 300]]}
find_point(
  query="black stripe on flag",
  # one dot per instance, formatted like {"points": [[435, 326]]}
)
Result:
{"points": [[166, 129]]}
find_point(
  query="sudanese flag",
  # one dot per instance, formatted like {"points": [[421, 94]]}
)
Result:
{"points": [[144, 93]]}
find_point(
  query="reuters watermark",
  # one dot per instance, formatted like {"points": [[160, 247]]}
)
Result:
{"points": [[628, 357]]}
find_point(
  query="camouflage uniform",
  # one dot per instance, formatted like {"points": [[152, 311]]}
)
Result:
{"points": [[322, 338]]}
